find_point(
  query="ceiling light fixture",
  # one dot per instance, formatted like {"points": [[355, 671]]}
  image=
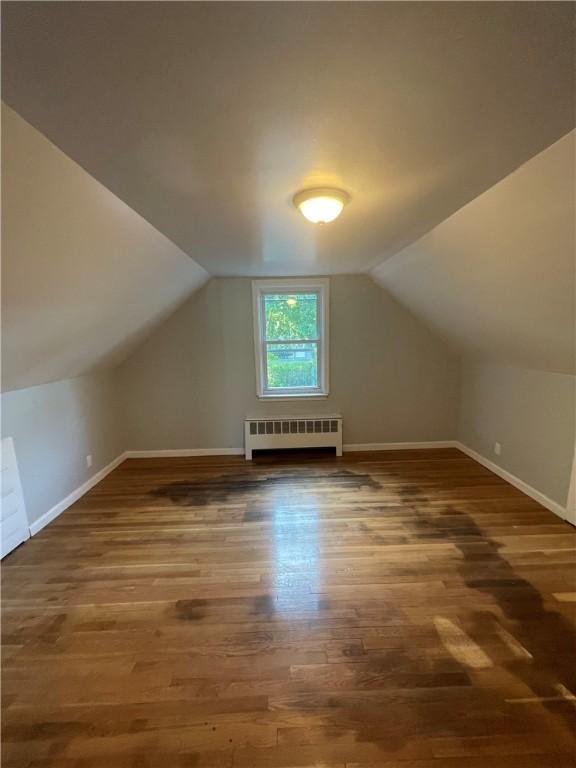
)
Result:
{"points": [[321, 205]]}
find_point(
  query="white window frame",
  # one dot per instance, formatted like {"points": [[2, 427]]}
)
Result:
{"points": [[318, 286]]}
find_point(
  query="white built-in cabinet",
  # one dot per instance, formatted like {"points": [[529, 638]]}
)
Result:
{"points": [[14, 523]]}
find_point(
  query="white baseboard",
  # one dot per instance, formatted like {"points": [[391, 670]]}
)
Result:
{"points": [[57, 509], [166, 453], [553, 506], [175, 452], [398, 446], [151, 454]]}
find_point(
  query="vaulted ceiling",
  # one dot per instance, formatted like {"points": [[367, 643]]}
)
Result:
{"points": [[162, 142], [205, 118], [84, 277], [497, 279]]}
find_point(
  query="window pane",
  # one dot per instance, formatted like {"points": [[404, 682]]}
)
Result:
{"points": [[292, 365], [291, 316]]}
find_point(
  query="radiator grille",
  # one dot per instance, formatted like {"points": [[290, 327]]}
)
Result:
{"points": [[292, 426]]}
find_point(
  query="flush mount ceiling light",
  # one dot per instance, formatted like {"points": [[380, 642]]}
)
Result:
{"points": [[321, 205]]}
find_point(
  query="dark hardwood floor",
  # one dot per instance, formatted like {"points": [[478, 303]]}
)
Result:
{"points": [[400, 609]]}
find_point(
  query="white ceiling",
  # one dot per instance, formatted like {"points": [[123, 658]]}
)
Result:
{"points": [[497, 279], [205, 118]]}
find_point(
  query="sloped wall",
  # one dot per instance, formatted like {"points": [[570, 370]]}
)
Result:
{"points": [[84, 277], [191, 383], [497, 281]]}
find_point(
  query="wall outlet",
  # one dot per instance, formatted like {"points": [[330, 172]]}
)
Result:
{"points": [[497, 449], [89, 461]]}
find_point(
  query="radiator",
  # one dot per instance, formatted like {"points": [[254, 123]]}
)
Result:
{"points": [[293, 432]]}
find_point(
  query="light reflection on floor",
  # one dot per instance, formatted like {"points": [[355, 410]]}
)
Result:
{"points": [[296, 578]]}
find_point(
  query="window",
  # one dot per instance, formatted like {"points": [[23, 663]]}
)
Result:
{"points": [[291, 337]]}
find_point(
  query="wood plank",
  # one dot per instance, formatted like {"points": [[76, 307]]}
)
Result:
{"points": [[402, 608]]}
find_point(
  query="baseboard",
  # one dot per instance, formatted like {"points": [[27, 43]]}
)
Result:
{"points": [[152, 454], [57, 509], [553, 506], [184, 452], [397, 446]]}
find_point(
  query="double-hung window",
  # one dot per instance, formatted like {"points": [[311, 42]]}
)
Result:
{"points": [[291, 337]]}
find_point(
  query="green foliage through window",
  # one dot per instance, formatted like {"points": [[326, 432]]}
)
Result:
{"points": [[292, 365], [291, 316], [291, 341]]}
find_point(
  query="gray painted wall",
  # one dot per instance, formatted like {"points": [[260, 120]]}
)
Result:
{"points": [[496, 280], [191, 384], [55, 426], [84, 277], [531, 413]]}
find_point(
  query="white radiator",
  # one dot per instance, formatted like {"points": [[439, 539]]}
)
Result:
{"points": [[293, 432]]}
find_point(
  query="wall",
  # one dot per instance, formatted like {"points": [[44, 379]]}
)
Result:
{"points": [[496, 279], [55, 426], [531, 413], [84, 277], [191, 384]]}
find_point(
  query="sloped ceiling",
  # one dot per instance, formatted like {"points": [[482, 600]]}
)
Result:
{"points": [[497, 279], [207, 117], [84, 277]]}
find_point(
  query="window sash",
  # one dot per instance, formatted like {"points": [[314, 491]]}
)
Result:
{"points": [[309, 292], [292, 390]]}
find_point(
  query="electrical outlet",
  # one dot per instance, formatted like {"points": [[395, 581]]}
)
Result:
{"points": [[497, 449], [89, 461]]}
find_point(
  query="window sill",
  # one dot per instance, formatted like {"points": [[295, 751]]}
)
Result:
{"points": [[308, 396]]}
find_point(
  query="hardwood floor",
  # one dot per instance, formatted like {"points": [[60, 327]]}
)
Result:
{"points": [[400, 609]]}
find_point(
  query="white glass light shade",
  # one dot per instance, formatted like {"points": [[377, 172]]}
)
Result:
{"points": [[320, 205]]}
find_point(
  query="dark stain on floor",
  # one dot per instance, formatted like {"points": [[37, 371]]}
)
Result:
{"points": [[546, 634], [190, 610], [548, 637], [218, 490], [264, 604]]}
